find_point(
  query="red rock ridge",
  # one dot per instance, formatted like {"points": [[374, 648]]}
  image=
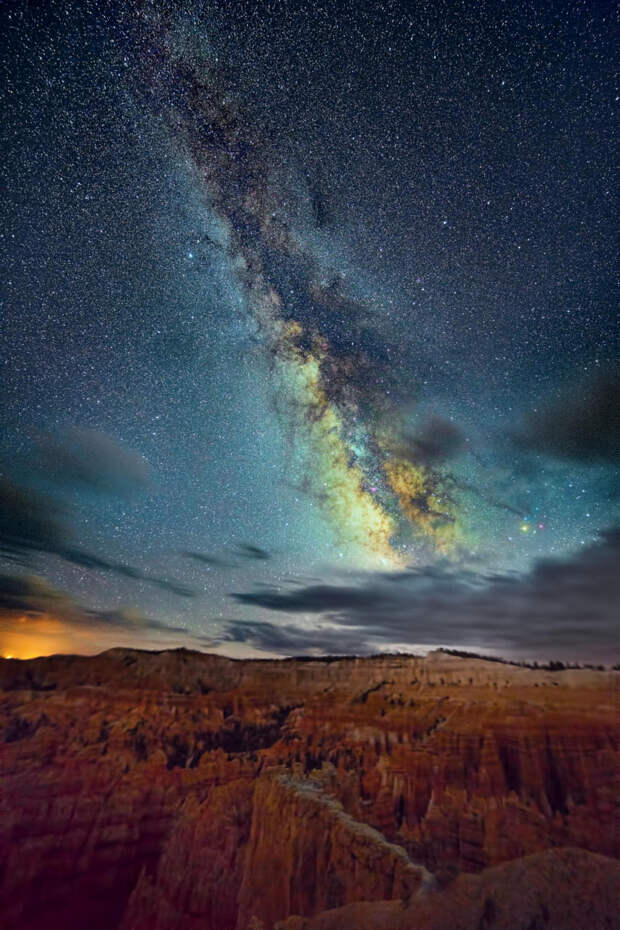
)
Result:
{"points": [[561, 889], [164, 790]]}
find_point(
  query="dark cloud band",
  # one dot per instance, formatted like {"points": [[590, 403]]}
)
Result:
{"points": [[31, 524], [561, 606]]}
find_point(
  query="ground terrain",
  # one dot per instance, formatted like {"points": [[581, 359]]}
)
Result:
{"points": [[185, 791]]}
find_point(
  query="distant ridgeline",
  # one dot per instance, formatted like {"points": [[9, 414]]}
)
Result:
{"points": [[552, 666]]}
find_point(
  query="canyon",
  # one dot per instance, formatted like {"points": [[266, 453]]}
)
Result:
{"points": [[176, 789]]}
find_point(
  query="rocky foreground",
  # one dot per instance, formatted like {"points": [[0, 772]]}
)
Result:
{"points": [[184, 791]]}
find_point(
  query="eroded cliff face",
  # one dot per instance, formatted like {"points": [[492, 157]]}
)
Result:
{"points": [[197, 881], [561, 889], [168, 790], [313, 856]]}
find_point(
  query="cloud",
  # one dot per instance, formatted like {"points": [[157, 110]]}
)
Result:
{"points": [[30, 594], [243, 550], [288, 639], [248, 551], [205, 559], [562, 607], [315, 598], [31, 524], [581, 424], [37, 618], [130, 619], [85, 458], [436, 440]]}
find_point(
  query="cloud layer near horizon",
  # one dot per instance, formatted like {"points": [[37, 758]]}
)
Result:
{"points": [[37, 618], [563, 607]]}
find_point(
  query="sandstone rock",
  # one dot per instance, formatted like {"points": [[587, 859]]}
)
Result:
{"points": [[563, 889], [311, 855], [178, 789]]}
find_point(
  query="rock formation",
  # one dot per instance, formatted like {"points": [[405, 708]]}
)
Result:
{"points": [[563, 889], [160, 791]]}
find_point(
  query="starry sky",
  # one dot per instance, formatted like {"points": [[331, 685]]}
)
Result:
{"points": [[308, 339]]}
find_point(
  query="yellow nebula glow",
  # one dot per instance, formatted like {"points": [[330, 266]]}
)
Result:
{"points": [[363, 526], [358, 517], [362, 521], [420, 505]]}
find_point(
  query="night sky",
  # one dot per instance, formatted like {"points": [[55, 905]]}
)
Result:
{"points": [[308, 340]]}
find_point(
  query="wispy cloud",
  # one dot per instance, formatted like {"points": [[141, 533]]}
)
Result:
{"points": [[87, 458], [37, 618], [580, 424], [562, 607], [32, 524]]}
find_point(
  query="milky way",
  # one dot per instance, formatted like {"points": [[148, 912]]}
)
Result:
{"points": [[335, 379]]}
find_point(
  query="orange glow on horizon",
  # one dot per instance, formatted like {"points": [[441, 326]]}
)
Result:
{"points": [[37, 635]]}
